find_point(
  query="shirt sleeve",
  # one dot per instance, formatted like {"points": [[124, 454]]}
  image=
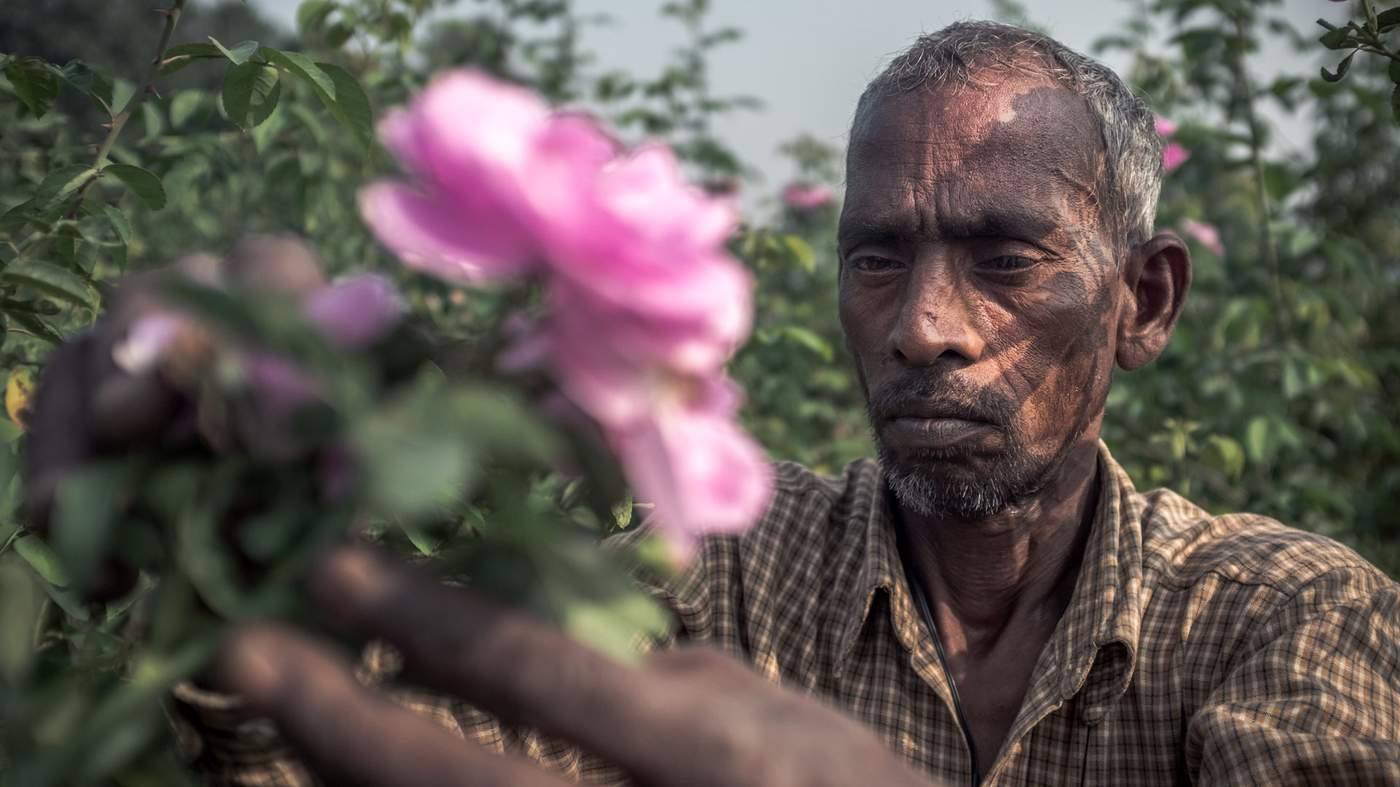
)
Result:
{"points": [[1314, 697]]}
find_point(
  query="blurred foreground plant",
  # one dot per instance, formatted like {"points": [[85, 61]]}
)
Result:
{"points": [[302, 412]]}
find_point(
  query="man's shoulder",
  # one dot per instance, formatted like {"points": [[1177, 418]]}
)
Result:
{"points": [[1183, 545]]}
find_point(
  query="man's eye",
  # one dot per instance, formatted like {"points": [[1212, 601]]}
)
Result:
{"points": [[1009, 263], [870, 264]]}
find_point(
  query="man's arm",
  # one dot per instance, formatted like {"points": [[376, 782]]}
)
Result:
{"points": [[687, 716], [1316, 698]]}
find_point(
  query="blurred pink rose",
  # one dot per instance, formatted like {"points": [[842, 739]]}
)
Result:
{"points": [[485, 156], [1173, 156], [645, 269], [799, 196], [1205, 234], [645, 304], [1165, 128], [701, 471], [355, 311]]}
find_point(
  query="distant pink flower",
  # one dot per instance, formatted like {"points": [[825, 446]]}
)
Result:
{"points": [[1173, 156], [1205, 234], [802, 197], [355, 311], [1165, 127], [645, 305]]}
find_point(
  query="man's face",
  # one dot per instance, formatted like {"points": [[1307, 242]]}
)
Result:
{"points": [[979, 288]]}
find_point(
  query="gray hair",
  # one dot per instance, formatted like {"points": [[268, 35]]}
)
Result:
{"points": [[1132, 178]]}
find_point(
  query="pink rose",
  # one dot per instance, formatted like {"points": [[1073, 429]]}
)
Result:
{"points": [[645, 268], [1165, 128], [645, 304], [1173, 156], [1205, 234], [803, 197], [700, 470], [485, 157]]}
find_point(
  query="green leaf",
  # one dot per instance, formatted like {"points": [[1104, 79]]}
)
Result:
{"points": [[144, 183], [1395, 71], [90, 82], [177, 57], [250, 93], [801, 252], [268, 129], [1256, 439], [1335, 39], [1342, 69], [183, 106], [61, 184], [337, 88], [1388, 19], [808, 339], [20, 607], [311, 14], [337, 33], [303, 68], [351, 106], [193, 50], [413, 464], [122, 91], [154, 120], [35, 83], [86, 512], [35, 326], [42, 559], [53, 281], [119, 222], [1226, 454], [1395, 102], [240, 52]]}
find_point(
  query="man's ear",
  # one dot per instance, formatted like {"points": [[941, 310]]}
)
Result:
{"points": [[1157, 276]]}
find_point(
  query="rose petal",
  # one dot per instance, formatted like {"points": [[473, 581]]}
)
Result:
{"points": [[455, 241], [702, 473]]}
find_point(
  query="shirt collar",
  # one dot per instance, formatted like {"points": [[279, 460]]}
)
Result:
{"points": [[1098, 635]]}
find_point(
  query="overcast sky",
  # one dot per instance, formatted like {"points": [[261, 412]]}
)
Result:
{"points": [[808, 60]]}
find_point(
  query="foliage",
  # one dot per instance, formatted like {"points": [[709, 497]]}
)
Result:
{"points": [[1278, 394], [1369, 35]]}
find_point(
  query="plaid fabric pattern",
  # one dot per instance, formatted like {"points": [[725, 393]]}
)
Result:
{"points": [[1196, 649]]}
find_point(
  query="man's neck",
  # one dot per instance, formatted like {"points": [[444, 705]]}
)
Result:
{"points": [[1015, 570]]}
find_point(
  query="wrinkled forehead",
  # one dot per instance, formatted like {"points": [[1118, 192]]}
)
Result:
{"points": [[1009, 131]]}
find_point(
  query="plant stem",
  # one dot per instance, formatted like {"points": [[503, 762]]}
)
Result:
{"points": [[148, 86], [1245, 88]]}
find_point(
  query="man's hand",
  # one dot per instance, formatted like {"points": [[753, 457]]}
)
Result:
{"points": [[688, 716]]}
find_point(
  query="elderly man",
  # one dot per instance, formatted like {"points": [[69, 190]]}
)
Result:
{"points": [[991, 602]]}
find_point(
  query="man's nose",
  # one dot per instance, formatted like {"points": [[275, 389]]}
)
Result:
{"points": [[935, 324]]}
